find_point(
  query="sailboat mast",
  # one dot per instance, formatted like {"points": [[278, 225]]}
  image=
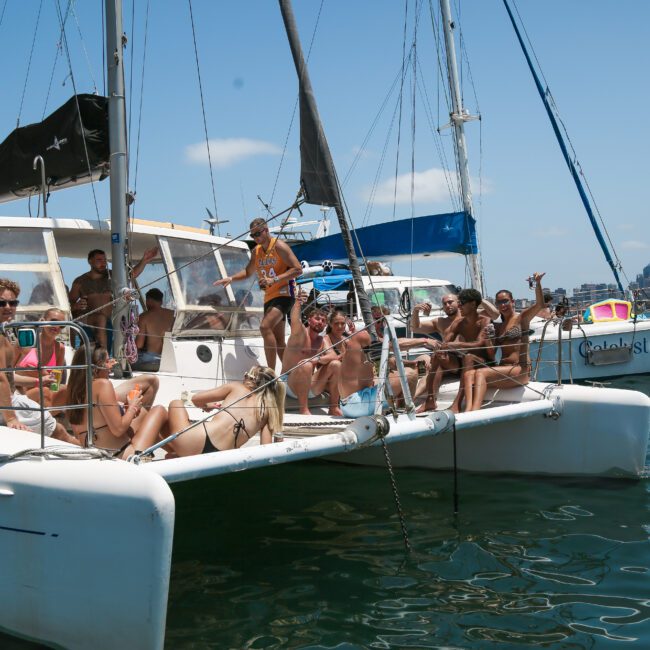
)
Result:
{"points": [[118, 161], [319, 151], [458, 118], [565, 153]]}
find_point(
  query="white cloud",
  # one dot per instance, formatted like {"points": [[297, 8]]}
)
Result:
{"points": [[633, 244], [429, 186], [226, 152], [551, 231]]}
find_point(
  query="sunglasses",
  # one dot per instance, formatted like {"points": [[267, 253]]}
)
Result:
{"points": [[257, 233], [11, 303], [504, 301]]}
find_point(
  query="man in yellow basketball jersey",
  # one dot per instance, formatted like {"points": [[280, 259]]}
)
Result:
{"points": [[276, 267]]}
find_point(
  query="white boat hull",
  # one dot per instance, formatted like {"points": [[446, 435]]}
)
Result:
{"points": [[86, 550], [605, 337], [599, 432]]}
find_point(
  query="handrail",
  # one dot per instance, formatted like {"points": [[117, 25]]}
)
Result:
{"points": [[36, 326]]}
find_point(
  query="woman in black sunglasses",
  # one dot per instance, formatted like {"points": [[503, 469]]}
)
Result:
{"points": [[511, 337]]}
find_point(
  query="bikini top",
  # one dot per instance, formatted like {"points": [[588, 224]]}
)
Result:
{"points": [[30, 360]]}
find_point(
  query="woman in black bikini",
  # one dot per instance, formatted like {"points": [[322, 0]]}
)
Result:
{"points": [[122, 428], [511, 336], [232, 426]]}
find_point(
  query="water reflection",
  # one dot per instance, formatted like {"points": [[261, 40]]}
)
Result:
{"points": [[562, 563]]}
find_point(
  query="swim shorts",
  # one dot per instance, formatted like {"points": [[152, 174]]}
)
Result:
{"points": [[360, 403]]}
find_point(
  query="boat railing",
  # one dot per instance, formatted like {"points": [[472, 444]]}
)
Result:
{"points": [[564, 324], [27, 334]]}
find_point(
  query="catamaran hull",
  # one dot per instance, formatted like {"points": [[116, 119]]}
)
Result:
{"points": [[595, 432], [86, 551], [619, 348]]}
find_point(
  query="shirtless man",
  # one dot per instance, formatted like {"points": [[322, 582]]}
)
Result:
{"points": [[153, 324], [441, 362], [357, 388], [469, 337], [276, 267], [313, 377], [93, 290]]}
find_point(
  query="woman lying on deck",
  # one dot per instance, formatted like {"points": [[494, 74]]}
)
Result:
{"points": [[234, 425], [122, 428]]}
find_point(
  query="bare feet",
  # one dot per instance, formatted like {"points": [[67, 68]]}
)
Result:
{"points": [[428, 405], [305, 411], [335, 410]]}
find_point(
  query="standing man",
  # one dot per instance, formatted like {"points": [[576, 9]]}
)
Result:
{"points": [[93, 291], [276, 267], [152, 324]]}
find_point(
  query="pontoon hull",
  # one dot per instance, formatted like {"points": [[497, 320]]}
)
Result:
{"points": [[86, 551], [600, 432]]}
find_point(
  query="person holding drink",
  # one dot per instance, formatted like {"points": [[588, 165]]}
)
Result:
{"points": [[52, 351]]}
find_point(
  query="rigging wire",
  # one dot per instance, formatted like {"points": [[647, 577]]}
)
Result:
{"points": [[74, 86], [574, 154], [401, 94], [29, 63], [59, 48], [295, 107], [205, 122], [2, 14], [144, 60], [83, 46]]}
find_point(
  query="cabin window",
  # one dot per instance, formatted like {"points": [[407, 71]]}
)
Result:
{"points": [[385, 298], [247, 291], [23, 259], [155, 276], [196, 268], [432, 294]]}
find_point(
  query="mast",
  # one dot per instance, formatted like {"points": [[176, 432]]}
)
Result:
{"points": [[318, 174], [565, 153], [458, 117], [118, 165]]}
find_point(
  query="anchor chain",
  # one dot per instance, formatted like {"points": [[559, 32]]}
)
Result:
{"points": [[382, 431]]}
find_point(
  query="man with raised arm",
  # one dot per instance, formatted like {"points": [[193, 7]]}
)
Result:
{"points": [[310, 378], [276, 267], [93, 292]]}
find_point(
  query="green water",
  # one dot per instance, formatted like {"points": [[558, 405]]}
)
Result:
{"points": [[312, 556]]}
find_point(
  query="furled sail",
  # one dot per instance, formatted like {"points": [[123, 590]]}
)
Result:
{"points": [[73, 142], [454, 232]]}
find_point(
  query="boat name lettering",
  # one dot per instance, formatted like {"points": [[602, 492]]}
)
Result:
{"points": [[640, 347]]}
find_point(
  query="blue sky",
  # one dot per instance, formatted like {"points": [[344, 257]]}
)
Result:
{"points": [[595, 55]]}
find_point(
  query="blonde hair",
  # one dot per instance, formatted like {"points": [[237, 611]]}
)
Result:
{"points": [[271, 397]]}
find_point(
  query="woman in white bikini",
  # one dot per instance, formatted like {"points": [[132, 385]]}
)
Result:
{"points": [[256, 404], [511, 337]]}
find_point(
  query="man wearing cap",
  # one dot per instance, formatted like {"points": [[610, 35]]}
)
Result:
{"points": [[276, 267]]}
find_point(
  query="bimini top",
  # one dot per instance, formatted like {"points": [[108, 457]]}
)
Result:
{"points": [[608, 310]]}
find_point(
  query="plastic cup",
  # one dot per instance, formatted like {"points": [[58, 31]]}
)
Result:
{"points": [[54, 386]]}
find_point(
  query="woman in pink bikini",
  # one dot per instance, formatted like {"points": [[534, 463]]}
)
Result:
{"points": [[52, 354]]}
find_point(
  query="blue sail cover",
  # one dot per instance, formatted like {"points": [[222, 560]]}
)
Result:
{"points": [[454, 232]]}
